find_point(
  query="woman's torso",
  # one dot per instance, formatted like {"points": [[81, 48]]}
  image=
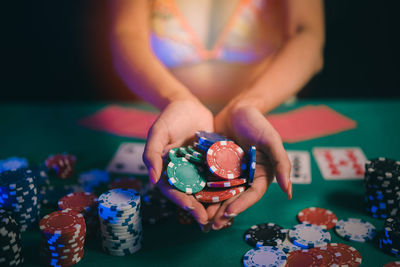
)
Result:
{"points": [[216, 48]]}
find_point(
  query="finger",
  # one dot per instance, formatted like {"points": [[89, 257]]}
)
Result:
{"points": [[157, 140], [185, 201], [211, 210], [220, 220]]}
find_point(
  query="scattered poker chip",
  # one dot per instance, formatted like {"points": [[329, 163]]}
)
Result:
{"points": [[120, 221], [355, 230], [318, 216], [227, 183], [13, 163], [61, 164], [266, 256], [252, 163], [330, 257], [287, 246], [126, 182], [309, 236], [392, 264], [185, 177], [350, 256], [266, 234], [300, 258], [214, 196], [225, 159], [80, 202]]}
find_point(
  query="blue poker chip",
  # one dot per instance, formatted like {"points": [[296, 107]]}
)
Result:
{"points": [[12, 164], [266, 256], [209, 137], [252, 164], [354, 229], [309, 236], [119, 199], [201, 147]]}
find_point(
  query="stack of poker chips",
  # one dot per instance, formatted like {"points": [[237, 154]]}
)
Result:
{"points": [[120, 221], [382, 185], [156, 208], [62, 165], [84, 203], [63, 238], [19, 195], [214, 169], [389, 239], [10, 240]]}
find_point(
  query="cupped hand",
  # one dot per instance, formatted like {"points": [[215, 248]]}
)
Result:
{"points": [[175, 126], [247, 126]]}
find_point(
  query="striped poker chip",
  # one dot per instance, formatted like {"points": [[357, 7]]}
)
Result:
{"points": [[173, 154], [194, 152], [227, 183], [252, 163], [189, 156], [309, 236], [318, 216], [184, 176], [304, 258], [266, 256], [355, 230], [392, 264], [81, 201], [214, 196], [287, 246], [119, 199], [265, 234], [330, 257], [225, 159], [350, 256]]}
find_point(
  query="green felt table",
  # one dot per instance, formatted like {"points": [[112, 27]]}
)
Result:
{"points": [[37, 130]]}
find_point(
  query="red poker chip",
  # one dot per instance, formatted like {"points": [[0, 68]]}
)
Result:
{"points": [[318, 216], [61, 164], [126, 183], [392, 264], [225, 159], [63, 261], [62, 222], [330, 257], [61, 252], [80, 201], [215, 196], [303, 258], [350, 256], [227, 183]]}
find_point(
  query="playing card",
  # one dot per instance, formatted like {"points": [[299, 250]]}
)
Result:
{"points": [[340, 163], [309, 122], [128, 159], [301, 167]]}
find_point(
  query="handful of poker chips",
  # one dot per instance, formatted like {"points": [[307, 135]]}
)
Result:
{"points": [[63, 238], [382, 187], [120, 221], [84, 203], [214, 169], [10, 240], [18, 194], [62, 165]]}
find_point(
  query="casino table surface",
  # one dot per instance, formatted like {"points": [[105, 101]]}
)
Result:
{"points": [[37, 130]]}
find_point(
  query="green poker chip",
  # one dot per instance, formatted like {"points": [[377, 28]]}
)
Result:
{"points": [[189, 156], [184, 176], [194, 152], [173, 154]]}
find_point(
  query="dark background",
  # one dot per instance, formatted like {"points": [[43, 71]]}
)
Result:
{"points": [[59, 51]]}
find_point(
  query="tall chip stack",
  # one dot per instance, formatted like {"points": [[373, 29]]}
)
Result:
{"points": [[84, 203], [63, 238], [389, 239], [18, 194], [10, 241], [382, 186], [120, 221]]}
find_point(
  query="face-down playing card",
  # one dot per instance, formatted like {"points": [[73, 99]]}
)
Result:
{"points": [[128, 160]]}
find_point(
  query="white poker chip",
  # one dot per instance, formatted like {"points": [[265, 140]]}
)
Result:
{"points": [[355, 230], [266, 256], [309, 236], [287, 246]]}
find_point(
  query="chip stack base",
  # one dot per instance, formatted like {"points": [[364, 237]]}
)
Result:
{"points": [[120, 221], [389, 239], [63, 238], [10, 240]]}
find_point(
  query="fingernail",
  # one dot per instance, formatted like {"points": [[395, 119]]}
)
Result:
{"points": [[215, 227], [230, 215], [152, 176], [187, 208], [290, 190]]}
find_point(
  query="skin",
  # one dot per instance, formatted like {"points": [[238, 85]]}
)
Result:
{"points": [[241, 116]]}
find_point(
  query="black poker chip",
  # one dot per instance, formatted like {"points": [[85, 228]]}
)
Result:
{"points": [[266, 234], [10, 241]]}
